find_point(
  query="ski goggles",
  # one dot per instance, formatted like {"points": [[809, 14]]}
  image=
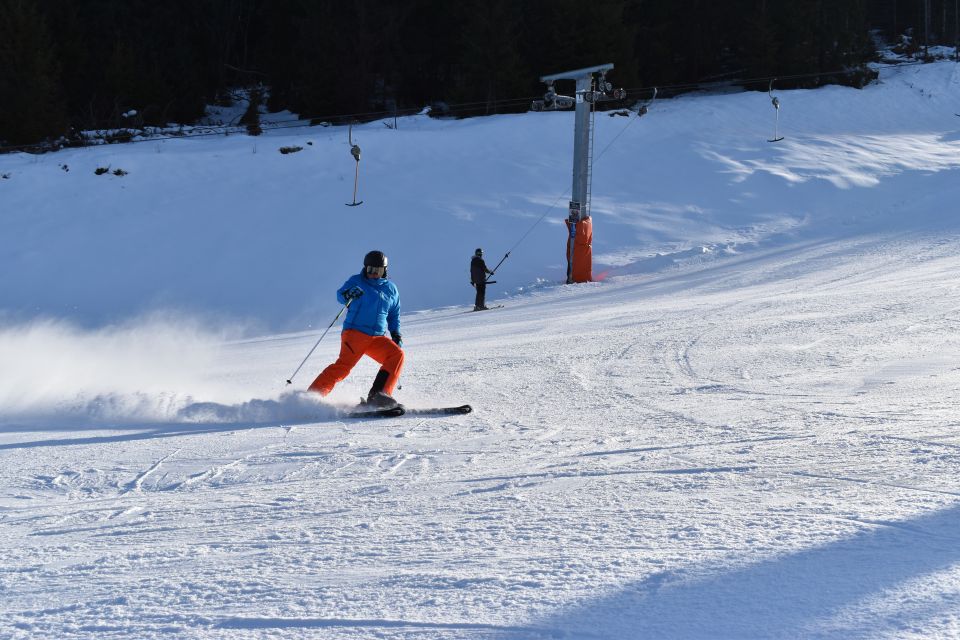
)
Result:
{"points": [[376, 272]]}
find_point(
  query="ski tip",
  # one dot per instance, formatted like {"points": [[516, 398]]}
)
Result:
{"points": [[440, 411]]}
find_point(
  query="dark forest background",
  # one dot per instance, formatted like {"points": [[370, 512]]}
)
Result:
{"points": [[69, 65]]}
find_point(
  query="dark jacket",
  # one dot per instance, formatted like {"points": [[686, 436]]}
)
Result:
{"points": [[478, 270]]}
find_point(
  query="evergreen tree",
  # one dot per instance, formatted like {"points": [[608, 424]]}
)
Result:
{"points": [[84, 64], [429, 64], [490, 62], [29, 98]]}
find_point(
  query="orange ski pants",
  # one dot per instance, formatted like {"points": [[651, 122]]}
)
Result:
{"points": [[353, 346]]}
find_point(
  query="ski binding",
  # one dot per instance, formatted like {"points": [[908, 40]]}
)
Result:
{"points": [[380, 412]]}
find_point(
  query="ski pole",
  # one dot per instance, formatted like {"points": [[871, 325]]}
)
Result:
{"points": [[290, 379]]}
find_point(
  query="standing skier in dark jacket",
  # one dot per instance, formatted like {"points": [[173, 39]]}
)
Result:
{"points": [[374, 310], [478, 278]]}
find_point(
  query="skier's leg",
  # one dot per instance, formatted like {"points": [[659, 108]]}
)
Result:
{"points": [[353, 344], [379, 382], [481, 295], [390, 356]]}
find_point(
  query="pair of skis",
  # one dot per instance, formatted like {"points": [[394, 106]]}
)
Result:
{"points": [[398, 410], [496, 306]]}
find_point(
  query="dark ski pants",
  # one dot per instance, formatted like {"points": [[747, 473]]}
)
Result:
{"points": [[353, 346], [481, 294]]}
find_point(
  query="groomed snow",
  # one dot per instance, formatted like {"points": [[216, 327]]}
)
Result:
{"points": [[747, 429]]}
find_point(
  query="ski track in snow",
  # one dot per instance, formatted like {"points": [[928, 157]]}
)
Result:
{"points": [[137, 484], [760, 444]]}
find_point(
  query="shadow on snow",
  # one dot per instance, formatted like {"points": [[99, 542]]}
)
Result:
{"points": [[858, 587]]}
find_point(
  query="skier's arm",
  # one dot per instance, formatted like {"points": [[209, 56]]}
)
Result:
{"points": [[347, 286], [393, 317]]}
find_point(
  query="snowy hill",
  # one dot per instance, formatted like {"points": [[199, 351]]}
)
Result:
{"points": [[748, 429], [233, 228]]}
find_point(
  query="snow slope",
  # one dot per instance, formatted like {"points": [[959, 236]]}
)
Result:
{"points": [[232, 228], [749, 432]]}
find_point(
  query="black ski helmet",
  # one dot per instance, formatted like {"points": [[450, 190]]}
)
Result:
{"points": [[478, 252], [375, 259]]}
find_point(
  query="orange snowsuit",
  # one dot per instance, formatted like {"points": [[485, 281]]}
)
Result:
{"points": [[353, 346]]}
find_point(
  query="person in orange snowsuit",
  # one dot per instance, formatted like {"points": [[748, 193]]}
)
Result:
{"points": [[373, 310]]}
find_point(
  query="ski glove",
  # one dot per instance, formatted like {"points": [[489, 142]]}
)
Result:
{"points": [[353, 293], [397, 338]]}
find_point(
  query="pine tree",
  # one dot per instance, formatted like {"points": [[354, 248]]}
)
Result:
{"points": [[30, 110], [490, 60]]}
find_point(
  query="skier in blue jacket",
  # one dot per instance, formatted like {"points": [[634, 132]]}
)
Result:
{"points": [[373, 310]]}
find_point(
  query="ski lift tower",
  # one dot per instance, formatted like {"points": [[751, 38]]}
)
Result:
{"points": [[592, 87]]}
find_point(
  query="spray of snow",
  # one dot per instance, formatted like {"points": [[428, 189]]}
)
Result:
{"points": [[154, 369]]}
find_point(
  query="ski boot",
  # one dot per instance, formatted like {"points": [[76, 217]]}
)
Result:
{"points": [[377, 397], [380, 400]]}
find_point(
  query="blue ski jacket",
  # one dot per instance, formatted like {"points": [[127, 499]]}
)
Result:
{"points": [[377, 310]]}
